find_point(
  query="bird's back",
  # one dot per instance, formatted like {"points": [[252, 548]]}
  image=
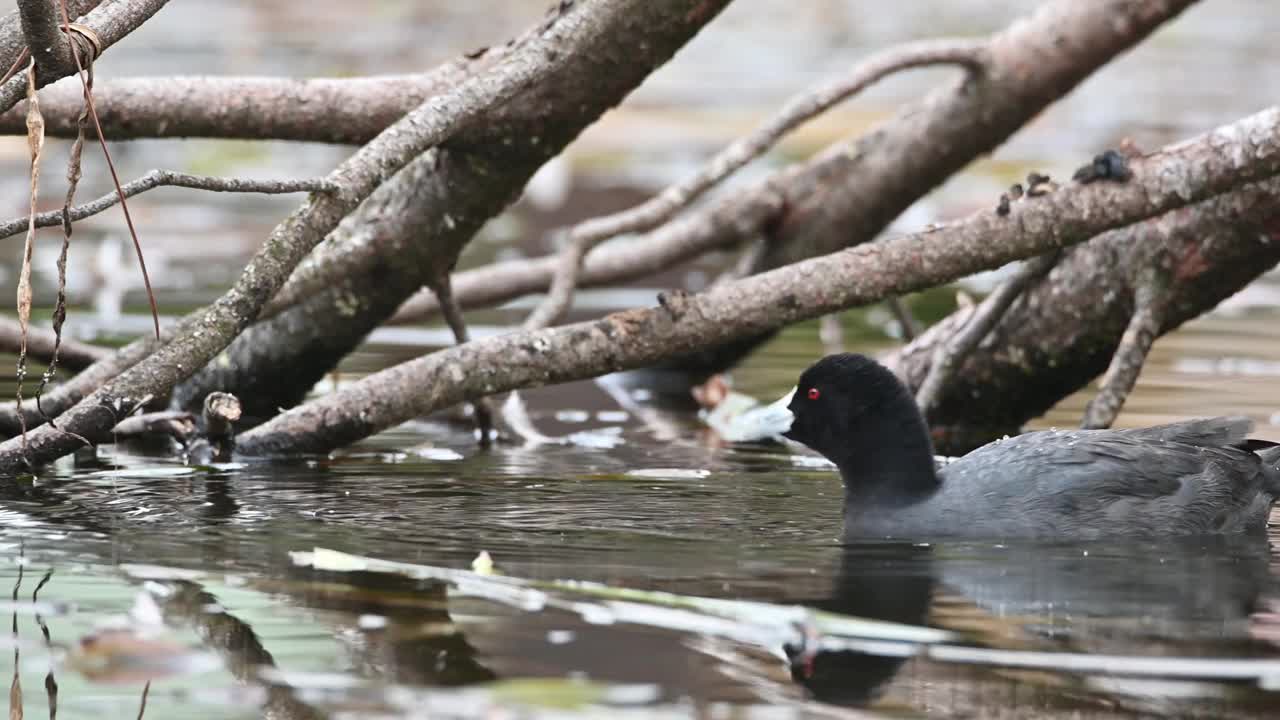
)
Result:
{"points": [[1187, 478]]}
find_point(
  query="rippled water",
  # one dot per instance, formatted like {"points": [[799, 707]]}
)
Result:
{"points": [[195, 564]]}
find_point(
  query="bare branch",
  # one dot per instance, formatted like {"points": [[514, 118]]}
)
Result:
{"points": [[207, 332], [907, 323], [73, 354], [1064, 334], [111, 22], [850, 192], [1178, 175], [453, 316], [977, 327], [348, 111], [1144, 327], [162, 178], [798, 110]]}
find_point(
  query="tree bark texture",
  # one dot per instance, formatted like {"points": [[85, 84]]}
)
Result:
{"points": [[111, 21], [206, 333], [849, 193], [1064, 330], [1181, 174], [414, 227]]}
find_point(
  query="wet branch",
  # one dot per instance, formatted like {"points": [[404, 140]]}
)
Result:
{"points": [[162, 178], [798, 110], [1171, 178], [977, 327], [1150, 299]]}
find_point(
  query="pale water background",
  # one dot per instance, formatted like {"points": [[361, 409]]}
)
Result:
{"points": [[646, 499]]}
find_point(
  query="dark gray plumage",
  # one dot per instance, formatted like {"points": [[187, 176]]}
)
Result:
{"points": [[1189, 478]]}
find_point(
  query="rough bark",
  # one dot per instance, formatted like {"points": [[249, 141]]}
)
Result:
{"points": [[415, 226], [334, 110], [849, 193], [1188, 172], [1065, 330], [205, 333], [111, 21], [13, 42]]}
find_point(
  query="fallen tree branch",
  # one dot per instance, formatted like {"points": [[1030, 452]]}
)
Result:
{"points": [[1171, 178], [348, 111], [111, 22], [40, 342], [162, 178], [850, 192], [1065, 333], [662, 207], [416, 224], [207, 332], [978, 326], [1150, 298]]}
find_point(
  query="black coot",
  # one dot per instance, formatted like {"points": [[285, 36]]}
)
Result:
{"points": [[1189, 478]]}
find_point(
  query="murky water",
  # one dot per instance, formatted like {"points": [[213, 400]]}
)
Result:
{"points": [[133, 580], [185, 576]]}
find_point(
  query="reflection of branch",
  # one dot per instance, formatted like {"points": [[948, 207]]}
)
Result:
{"points": [[50, 682], [235, 641], [1171, 178], [659, 209], [160, 178], [15, 686]]}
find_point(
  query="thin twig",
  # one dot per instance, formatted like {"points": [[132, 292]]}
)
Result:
{"points": [[443, 288], [162, 178], [662, 207], [1131, 355], [907, 323], [951, 353]]}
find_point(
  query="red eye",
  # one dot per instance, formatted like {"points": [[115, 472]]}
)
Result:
{"points": [[813, 393]]}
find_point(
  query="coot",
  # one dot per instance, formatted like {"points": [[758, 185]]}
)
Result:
{"points": [[1196, 477]]}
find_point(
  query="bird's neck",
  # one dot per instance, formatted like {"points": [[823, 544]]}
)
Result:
{"points": [[890, 462]]}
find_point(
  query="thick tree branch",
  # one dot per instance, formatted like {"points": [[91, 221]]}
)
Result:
{"points": [[13, 43], [415, 225], [1188, 172], [850, 192], [1064, 333], [205, 333], [662, 207], [334, 110], [161, 178], [111, 21]]}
